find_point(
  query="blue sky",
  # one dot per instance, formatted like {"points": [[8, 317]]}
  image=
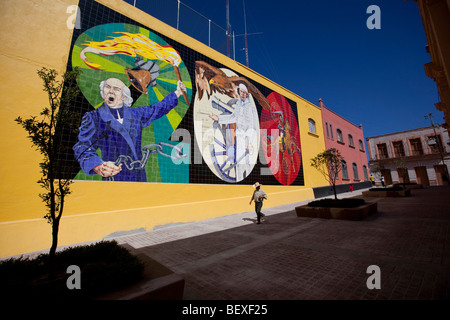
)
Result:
{"points": [[323, 49]]}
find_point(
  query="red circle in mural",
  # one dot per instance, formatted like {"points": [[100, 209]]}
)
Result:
{"points": [[280, 139]]}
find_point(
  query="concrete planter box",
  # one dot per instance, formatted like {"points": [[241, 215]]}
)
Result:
{"points": [[387, 193], [357, 213], [413, 186], [158, 283]]}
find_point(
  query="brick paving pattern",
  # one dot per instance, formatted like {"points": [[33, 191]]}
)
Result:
{"points": [[294, 258]]}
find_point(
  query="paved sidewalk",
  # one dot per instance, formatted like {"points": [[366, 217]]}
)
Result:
{"points": [[294, 258]]}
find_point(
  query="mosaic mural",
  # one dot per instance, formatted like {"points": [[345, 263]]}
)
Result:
{"points": [[122, 59], [157, 111], [226, 122], [281, 139]]}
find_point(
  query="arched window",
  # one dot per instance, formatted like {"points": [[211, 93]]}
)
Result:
{"points": [[312, 125], [366, 176], [361, 145], [355, 171], [344, 169], [340, 138], [350, 141]]}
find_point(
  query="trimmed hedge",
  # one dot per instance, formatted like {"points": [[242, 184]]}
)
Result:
{"points": [[104, 266]]}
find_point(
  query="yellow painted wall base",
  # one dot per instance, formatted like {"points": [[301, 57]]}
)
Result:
{"points": [[85, 221]]}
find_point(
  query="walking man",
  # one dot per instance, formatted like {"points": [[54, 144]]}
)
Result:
{"points": [[258, 196], [372, 179]]}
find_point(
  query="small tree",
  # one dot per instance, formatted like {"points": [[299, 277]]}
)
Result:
{"points": [[328, 163], [45, 132], [377, 170]]}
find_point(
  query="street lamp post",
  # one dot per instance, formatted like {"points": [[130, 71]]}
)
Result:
{"points": [[430, 116]]}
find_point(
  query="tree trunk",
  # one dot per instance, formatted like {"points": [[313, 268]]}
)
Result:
{"points": [[55, 229], [335, 194]]}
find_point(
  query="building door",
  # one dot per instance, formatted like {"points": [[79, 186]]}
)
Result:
{"points": [[403, 176], [422, 176], [441, 177], [386, 173]]}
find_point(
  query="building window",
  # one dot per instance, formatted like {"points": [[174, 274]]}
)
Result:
{"points": [[416, 147], [312, 126], [361, 145], [435, 144], [399, 151], [344, 169], [340, 138], [328, 132], [366, 175], [355, 171], [350, 141], [331, 132], [382, 151]]}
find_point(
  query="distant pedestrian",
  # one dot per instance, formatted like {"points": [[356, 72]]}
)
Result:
{"points": [[258, 196], [372, 179], [351, 188], [382, 181]]}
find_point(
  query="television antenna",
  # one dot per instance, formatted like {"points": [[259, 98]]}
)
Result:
{"points": [[246, 34]]}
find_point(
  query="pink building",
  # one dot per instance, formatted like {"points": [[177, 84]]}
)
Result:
{"points": [[348, 138]]}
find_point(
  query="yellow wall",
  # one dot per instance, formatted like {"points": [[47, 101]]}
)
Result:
{"points": [[34, 34]]}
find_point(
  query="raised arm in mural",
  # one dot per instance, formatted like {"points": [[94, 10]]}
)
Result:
{"points": [[114, 129]]}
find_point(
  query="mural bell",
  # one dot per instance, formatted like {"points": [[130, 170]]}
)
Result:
{"points": [[140, 79], [143, 75]]}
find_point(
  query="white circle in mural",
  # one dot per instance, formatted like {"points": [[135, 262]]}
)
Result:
{"points": [[226, 122]]}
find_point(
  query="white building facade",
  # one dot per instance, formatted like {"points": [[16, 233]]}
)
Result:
{"points": [[419, 155]]}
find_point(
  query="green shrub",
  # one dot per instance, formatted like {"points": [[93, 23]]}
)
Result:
{"points": [[104, 266]]}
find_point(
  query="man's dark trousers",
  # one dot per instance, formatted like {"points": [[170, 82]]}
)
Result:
{"points": [[258, 206]]}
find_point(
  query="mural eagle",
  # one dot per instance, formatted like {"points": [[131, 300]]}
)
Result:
{"points": [[209, 79]]}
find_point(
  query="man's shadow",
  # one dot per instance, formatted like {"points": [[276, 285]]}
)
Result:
{"points": [[254, 220]]}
